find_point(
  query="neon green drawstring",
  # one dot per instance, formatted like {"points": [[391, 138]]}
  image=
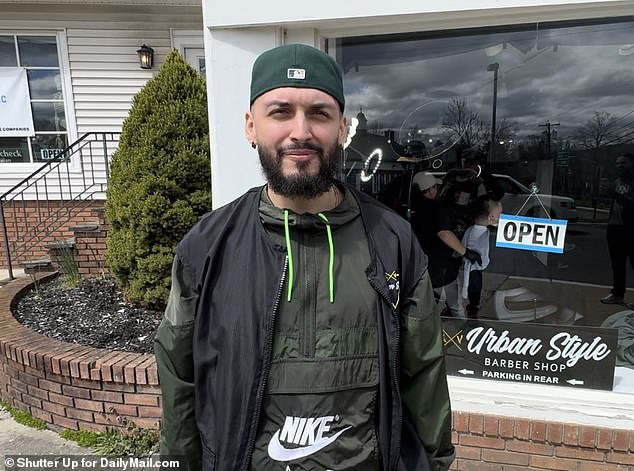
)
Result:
{"points": [[289, 252], [331, 262]]}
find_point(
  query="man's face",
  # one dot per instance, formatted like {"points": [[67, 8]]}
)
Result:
{"points": [[623, 166], [299, 132]]}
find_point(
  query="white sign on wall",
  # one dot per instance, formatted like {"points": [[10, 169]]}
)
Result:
{"points": [[542, 235], [16, 119]]}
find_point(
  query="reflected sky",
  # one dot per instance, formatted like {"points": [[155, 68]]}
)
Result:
{"points": [[560, 74]]}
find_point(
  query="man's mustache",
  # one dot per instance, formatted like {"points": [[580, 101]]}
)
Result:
{"points": [[300, 146]]}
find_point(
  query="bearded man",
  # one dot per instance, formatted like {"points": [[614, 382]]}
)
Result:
{"points": [[301, 332]]}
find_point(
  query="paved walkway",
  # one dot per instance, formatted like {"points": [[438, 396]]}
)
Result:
{"points": [[17, 439]]}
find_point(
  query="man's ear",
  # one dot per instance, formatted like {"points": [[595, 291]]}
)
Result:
{"points": [[249, 128], [343, 130]]}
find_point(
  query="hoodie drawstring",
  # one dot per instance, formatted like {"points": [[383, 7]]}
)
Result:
{"points": [[289, 252], [331, 261]]}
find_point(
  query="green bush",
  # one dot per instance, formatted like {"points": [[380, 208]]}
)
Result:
{"points": [[160, 180]]}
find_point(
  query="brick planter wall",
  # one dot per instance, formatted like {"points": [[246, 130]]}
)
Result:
{"points": [[495, 443], [70, 385]]}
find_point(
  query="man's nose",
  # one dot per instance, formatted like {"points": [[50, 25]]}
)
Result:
{"points": [[300, 128]]}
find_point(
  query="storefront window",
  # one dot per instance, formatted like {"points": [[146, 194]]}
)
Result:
{"points": [[39, 56], [540, 117]]}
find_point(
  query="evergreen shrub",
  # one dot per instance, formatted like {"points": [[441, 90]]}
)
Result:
{"points": [[160, 180]]}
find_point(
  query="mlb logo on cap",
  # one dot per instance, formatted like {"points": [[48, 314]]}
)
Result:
{"points": [[297, 74]]}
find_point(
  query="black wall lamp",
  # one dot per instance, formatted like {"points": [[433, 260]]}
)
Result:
{"points": [[146, 57]]}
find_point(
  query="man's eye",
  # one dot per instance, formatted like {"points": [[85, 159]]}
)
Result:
{"points": [[280, 112]]}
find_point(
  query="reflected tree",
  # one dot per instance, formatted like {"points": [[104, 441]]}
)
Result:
{"points": [[597, 131]]}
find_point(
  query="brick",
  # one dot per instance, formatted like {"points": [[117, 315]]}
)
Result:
{"points": [[491, 425], [110, 396], [530, 448], [146, 389], [106, 365], [553, 464], [50, 386], [118, 387], [28, 379], [76, 392], [538, 431], [57, 378], [65, 361], [482, 442], [32, 401], [587, 437], [40, 414], [117, 368], [554, 433], [37, 392], [19, 385], [152, 375], [467, 465], [579, 453], [620, 458], [621, 440], [506, 425], [123, 409], [140, 399], [85, 383], [571, 434], [89, 405], [522, 429], [84, 415], [468, 452], [604, 438], [141, 370], [63, 353], [74, 363], [461, 421], [504, 457], [149, 412], [601, 467], [54, 408], [61, 399], [476, 424], [65, 422], [107, 419]]}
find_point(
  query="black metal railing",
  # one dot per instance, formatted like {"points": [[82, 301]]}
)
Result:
{"points": [[48, 198]]}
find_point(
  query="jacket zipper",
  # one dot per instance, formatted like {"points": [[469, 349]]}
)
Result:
{"points": [[265, 372], [394, 361]]}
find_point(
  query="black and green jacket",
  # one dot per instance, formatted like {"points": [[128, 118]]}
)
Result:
{"points": [[215, 345]]}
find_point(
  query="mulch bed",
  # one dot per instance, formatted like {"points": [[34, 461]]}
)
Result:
{"points": [[93, 314]]}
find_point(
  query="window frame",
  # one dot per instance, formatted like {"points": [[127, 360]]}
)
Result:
{"points": [[66, 89]]}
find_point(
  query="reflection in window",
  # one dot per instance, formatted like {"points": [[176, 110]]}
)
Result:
{"points": [[562, 99], [14, 150], [38, 51], [45, 84], [7, 52]]}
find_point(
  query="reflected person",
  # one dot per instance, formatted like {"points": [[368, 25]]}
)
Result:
{"points": [[620, 228]]}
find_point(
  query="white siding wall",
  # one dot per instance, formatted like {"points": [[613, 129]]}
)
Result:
{"points": [[98, 47]]}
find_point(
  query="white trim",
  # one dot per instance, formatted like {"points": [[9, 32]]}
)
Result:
{"points": [[613, 409], [69, 102], [184, 38]]}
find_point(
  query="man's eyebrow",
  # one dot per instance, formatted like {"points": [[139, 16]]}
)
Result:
{"points": [[275, 103]]}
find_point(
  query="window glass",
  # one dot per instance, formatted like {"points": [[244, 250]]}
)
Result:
{"points": [[7, 52], [13, 150], [540, 117], [45, 84], [48, 146], [48, 116], [38, 51]]}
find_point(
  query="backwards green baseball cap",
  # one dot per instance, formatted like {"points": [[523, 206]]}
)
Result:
{"points": [[298, 66]]}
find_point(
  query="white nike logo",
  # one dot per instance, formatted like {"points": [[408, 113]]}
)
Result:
{"points": [[279, 453]]}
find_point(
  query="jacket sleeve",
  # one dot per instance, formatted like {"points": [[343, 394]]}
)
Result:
{"points": [[424, 379], [180, 438]]}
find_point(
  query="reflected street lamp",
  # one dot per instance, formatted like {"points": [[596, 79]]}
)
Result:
{"points": [[493, 68]]}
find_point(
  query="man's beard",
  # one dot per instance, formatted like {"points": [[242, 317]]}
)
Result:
{"points": [[300, 184]]}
